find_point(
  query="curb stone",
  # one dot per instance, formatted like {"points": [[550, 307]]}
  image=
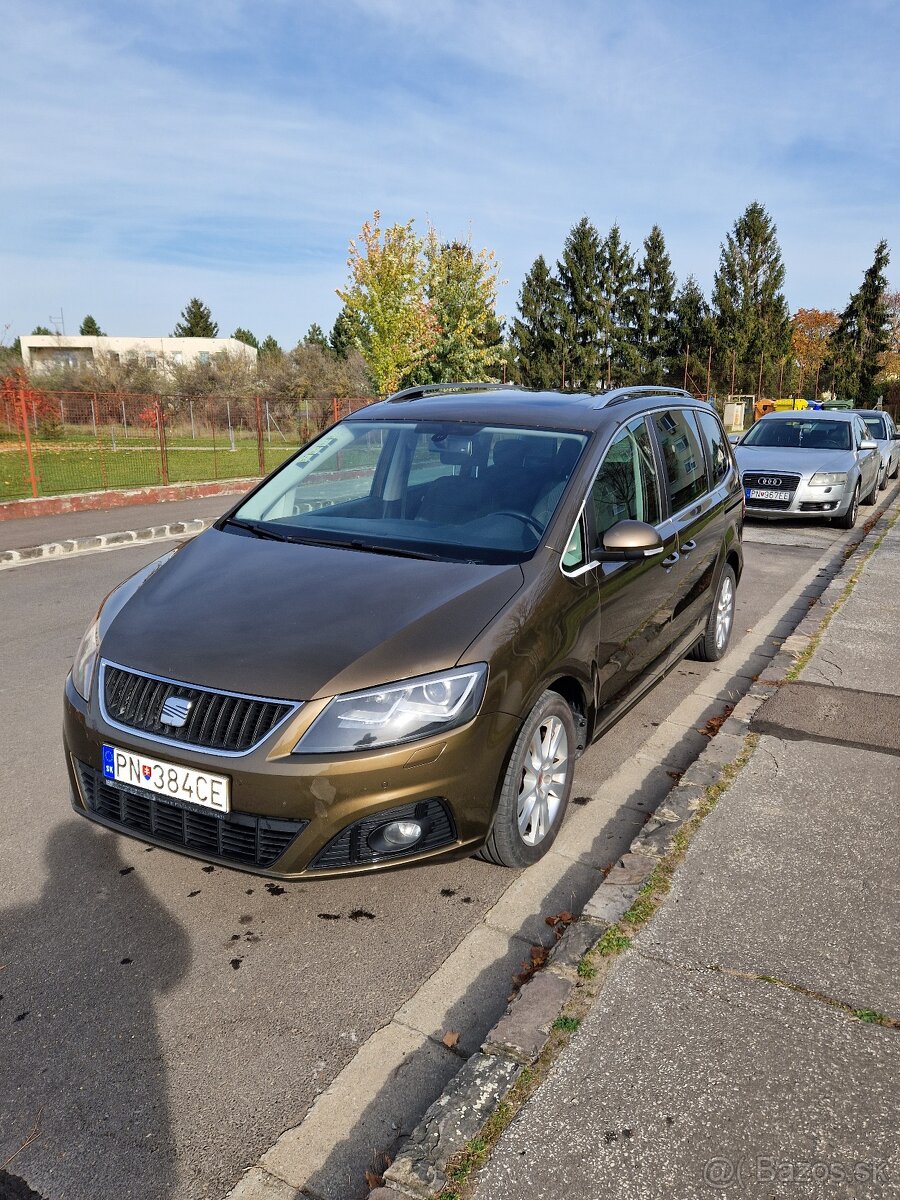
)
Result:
{"points": [[420, 1168], [100, 541]]}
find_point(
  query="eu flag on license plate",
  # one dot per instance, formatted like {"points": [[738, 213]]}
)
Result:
{"points": [[109, 769]]}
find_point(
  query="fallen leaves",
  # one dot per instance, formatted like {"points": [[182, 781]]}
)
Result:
{"points": [[714, 724], [451, 1039]]}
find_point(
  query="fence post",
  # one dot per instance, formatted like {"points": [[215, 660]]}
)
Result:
{"points": [[260, 444], [163, 452], [23, 409], [334, 409], [104, 478]]}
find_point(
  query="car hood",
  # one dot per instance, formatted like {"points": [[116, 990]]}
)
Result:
{"points": [[803, 462], [297, 622]]}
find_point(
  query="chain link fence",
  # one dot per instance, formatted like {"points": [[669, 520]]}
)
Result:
{"points": [[53, 443]]}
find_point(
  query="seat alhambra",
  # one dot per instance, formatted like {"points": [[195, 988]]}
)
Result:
{"points": [[395, 648]]}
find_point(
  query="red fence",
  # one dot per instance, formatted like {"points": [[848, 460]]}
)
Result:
{"points": [[52, 443]]}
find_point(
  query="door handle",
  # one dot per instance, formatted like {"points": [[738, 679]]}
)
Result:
{"points": [[670, 562], [687, 547]]}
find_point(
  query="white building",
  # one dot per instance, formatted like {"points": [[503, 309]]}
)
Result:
{"points": [[42, 353]]}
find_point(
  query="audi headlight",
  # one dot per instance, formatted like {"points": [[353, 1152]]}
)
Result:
{"points": [[399, 712], [828, 479]]}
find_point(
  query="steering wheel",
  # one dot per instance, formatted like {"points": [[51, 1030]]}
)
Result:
{"points": [[525, 518]]}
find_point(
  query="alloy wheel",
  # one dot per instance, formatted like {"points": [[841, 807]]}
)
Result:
{"points": [[724, 613], [543, 784]]}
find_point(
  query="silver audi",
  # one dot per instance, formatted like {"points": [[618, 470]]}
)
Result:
{"points": [[809, 464]]}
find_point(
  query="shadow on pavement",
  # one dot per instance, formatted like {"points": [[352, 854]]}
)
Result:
{"points": [[80, 1055]]}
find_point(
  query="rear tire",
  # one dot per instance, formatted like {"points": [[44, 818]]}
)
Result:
{"points": [[848, 520], [719, 624], [536, 787]]}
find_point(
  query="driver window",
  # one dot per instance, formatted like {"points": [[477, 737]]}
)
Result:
{"points": [[625, 487]]}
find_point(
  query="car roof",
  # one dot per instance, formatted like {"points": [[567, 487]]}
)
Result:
{"points": [[827, 414], [505, 404]]}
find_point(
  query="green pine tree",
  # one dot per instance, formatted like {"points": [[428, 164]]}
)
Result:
{"points": [[618, 286], [655, 301], [90, 328], [536, 336], [584, 310], [269, 348], [862, 335], [315, 336], [245, 336], [41, 331], [196, 321], [751, 314], [345, 333], [692, 333]]}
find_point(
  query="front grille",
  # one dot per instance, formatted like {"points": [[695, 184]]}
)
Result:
{"points": [[215, 721], [351, 846], [240, 838], [763, 479]]}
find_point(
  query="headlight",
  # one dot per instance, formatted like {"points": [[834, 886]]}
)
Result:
{"points": [[400, 712], [828, 479], [89, 648], [86, 659]]}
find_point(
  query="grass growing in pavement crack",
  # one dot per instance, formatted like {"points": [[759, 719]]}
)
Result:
{"points": [[592, 971], [868, 1015]]}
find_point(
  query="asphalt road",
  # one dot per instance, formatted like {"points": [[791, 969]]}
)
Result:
{"points": [[161, 1022]]}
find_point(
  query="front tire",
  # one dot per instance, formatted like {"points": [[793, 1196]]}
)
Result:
{"points": [[720, 622], [873, 495], [536, 787], [848, 520]]}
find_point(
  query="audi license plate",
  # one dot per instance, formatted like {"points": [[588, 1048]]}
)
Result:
{"points": [[767, 494], [166, 779]]}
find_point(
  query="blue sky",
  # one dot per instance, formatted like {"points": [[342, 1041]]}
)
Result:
{"points": [[226, 149]]}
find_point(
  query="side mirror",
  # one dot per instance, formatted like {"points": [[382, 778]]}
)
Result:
{"points": [[868, 444], [628, 541]]}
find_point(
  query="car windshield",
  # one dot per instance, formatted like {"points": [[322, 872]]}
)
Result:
{"points": [[799, 433], [431, 489], [875, 426]]}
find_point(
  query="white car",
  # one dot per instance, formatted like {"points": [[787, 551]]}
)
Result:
{"points": [[882, 430], [809, 464]]}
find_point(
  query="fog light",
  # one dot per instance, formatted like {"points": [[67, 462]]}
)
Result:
{"points": [[401, 833]]}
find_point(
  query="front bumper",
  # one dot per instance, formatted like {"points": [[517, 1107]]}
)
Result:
{"points": [[273, 791], [805, 501]]}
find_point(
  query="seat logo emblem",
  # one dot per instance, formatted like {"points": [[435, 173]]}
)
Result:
{"points": [[175, 711], [770, 480]]}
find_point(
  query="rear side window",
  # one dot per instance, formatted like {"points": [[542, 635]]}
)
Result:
{"points": [[716, 444], [683, 455]]}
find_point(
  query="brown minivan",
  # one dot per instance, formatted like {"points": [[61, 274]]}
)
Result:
{"points": [[395, 648]]}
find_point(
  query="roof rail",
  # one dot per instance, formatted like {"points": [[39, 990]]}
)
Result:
{"points": [[619, 395], [433, 389]]}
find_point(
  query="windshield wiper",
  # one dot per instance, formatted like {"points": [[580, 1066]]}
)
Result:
{"points": [[258, 530], [370, 548]]}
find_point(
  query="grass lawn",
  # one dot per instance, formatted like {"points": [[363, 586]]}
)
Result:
{"points": [[62, 467]]}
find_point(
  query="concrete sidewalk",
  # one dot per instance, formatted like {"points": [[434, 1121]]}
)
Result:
{"points": [[724, 1017], [748, 1042]]}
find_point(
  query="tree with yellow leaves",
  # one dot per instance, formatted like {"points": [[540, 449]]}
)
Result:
{"points": [[811, 329], [423, 310], [386, 296]]}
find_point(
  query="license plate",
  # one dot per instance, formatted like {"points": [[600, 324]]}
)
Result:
{"points": [[167, 779], [767, 494]]}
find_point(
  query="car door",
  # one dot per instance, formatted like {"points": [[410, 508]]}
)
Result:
{"points": [[869, 460], [695, 520], [633, 597]]}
